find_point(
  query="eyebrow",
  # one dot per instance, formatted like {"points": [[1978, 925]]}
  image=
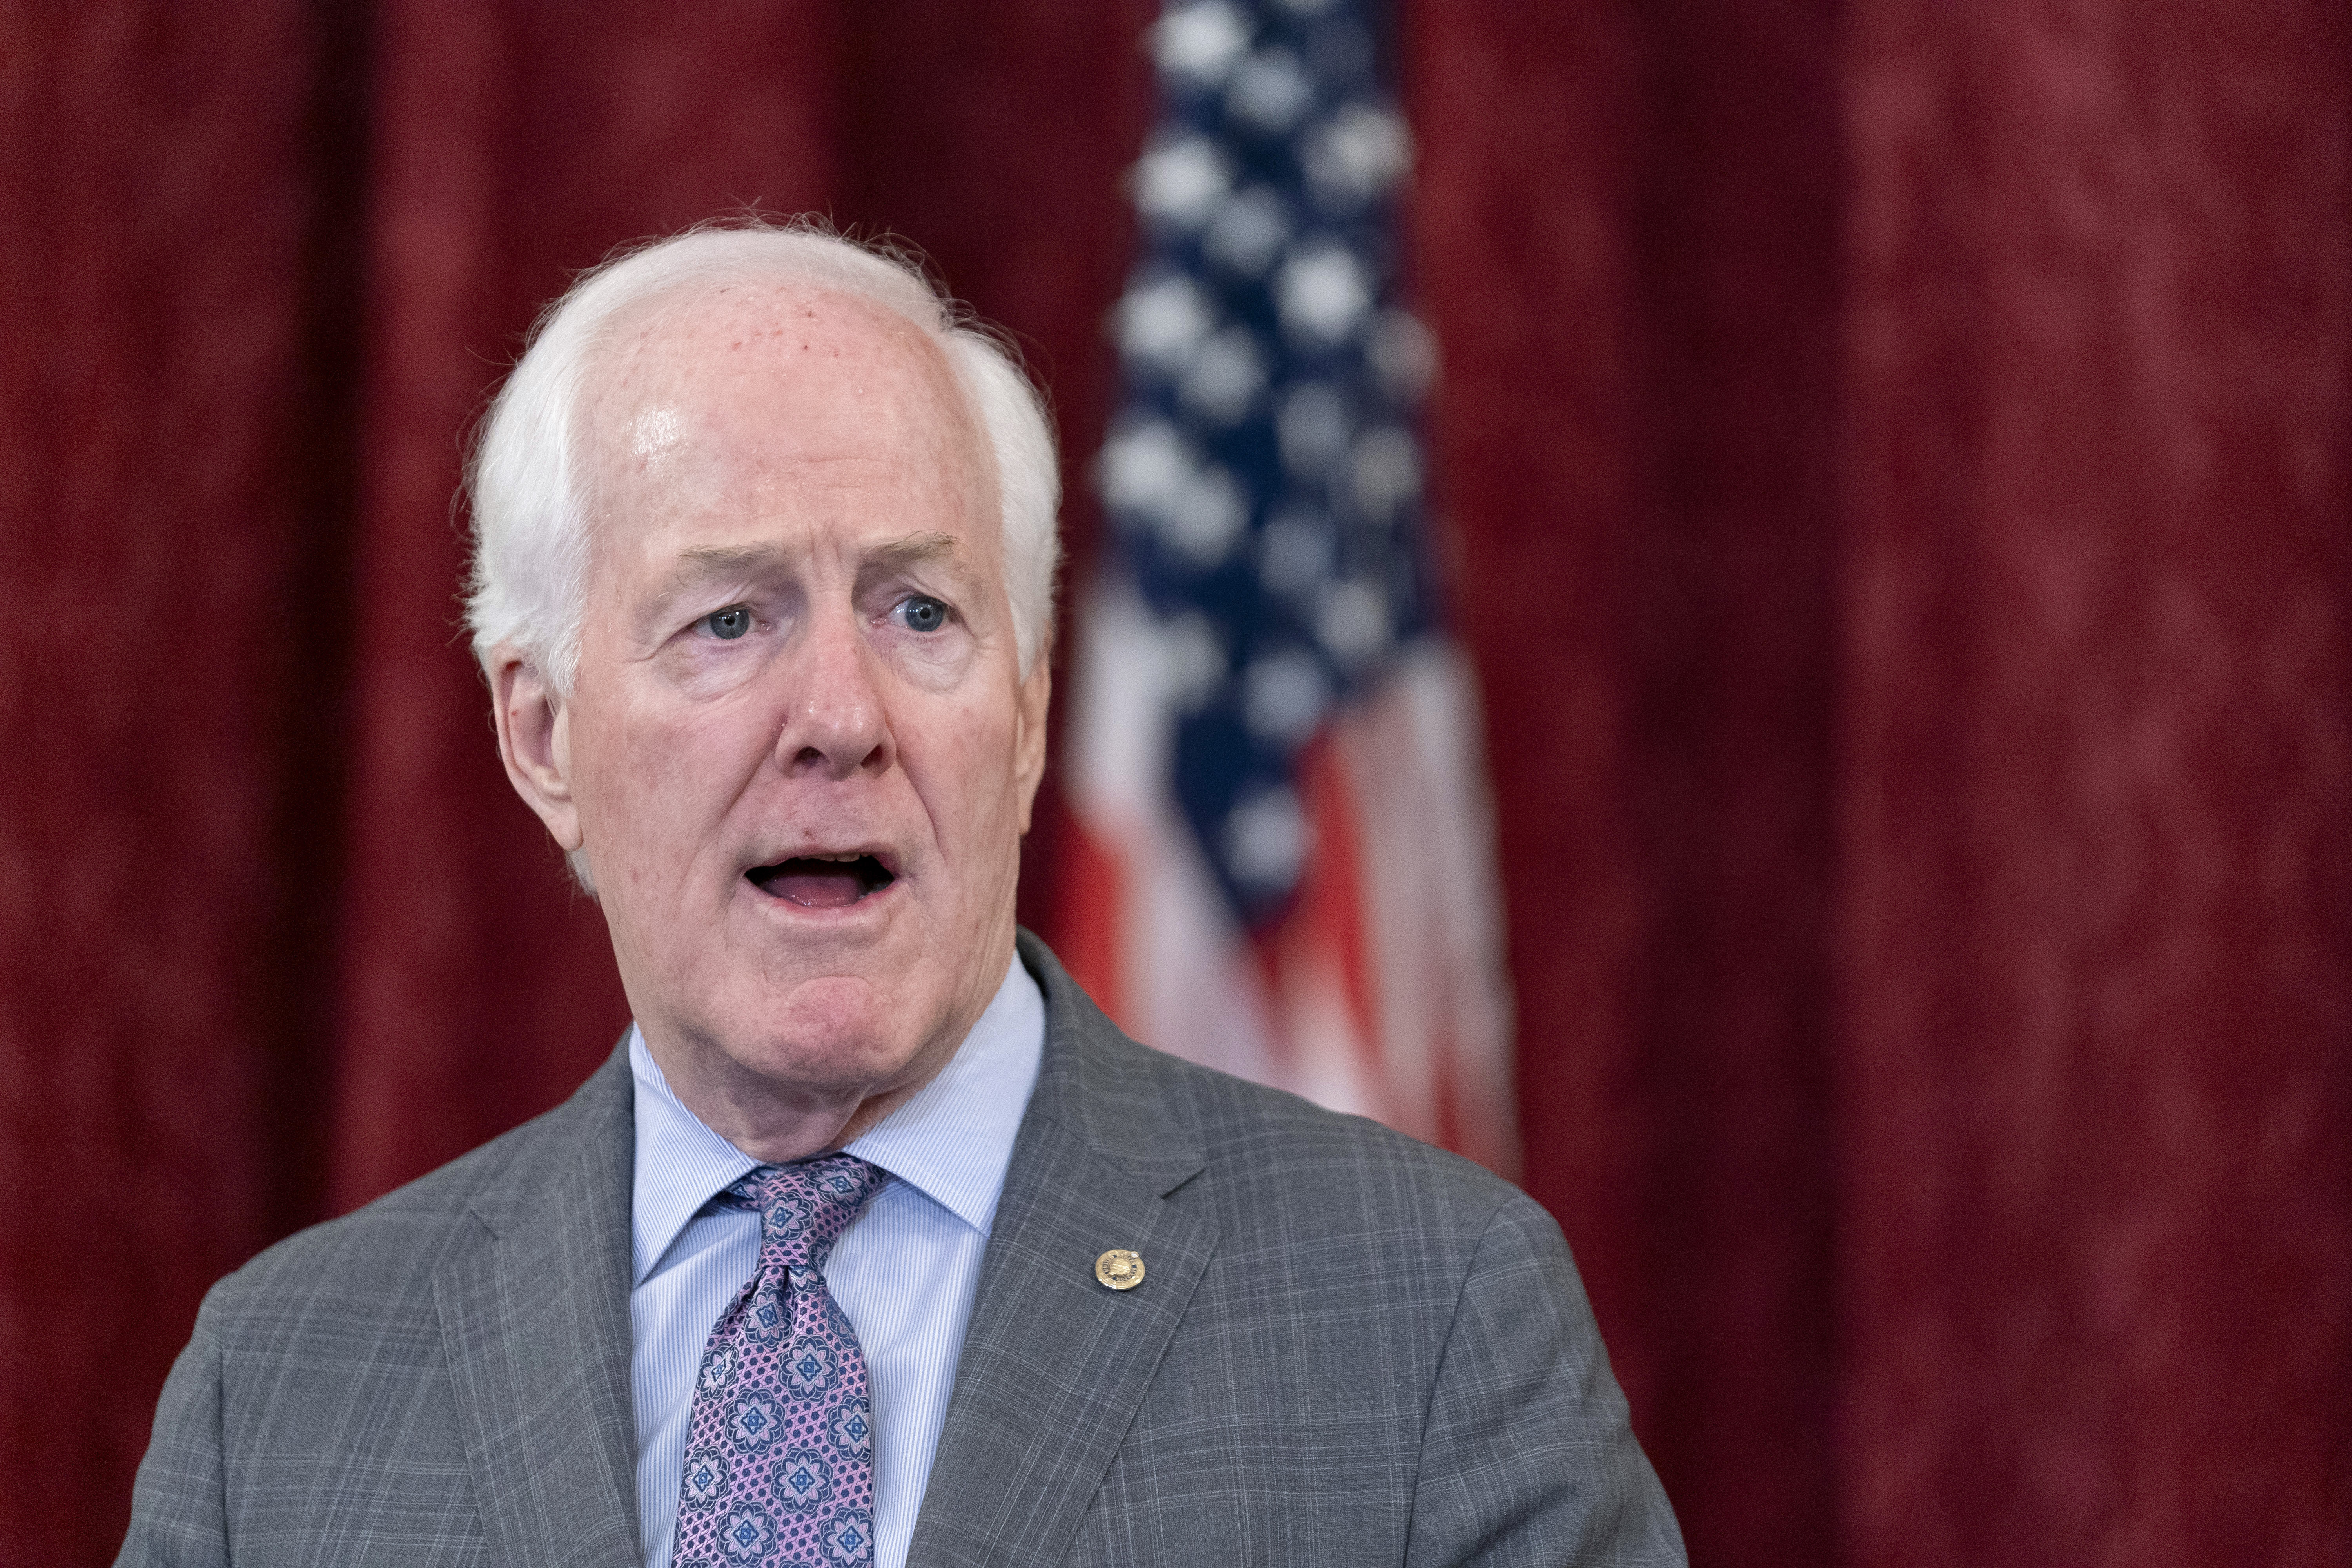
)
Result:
{"points": [[699, 562], [717, 560], [918, 549], [711, 560]]}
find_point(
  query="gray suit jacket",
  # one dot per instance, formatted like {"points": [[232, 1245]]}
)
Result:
{"points": [[1347, 1348]]}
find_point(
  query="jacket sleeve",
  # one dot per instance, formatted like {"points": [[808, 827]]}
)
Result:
{"points": [[179, 1514], [1526, 1456]]}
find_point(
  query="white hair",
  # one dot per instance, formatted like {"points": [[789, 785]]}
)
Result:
{"points": [[529, 582]]}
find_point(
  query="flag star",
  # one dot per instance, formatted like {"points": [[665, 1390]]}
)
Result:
{"points": [[1266, 840], [1294, 551], [1142, 465], [1384, 472], [1225, 377], [1353, 622], [1160, 324], [1270, 90], [1181, 182], [1311, 424], [1199, 43], [1150, 472], [1323, 293], [1402, 353], [1193, 660], [1249, 230], [1284, 695], [1203, 516], [1356, 155]]}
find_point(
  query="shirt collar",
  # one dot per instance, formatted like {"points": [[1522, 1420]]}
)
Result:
{"points": [[951, 1139]]}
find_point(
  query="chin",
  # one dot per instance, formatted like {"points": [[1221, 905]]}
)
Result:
{"points": [[836, 1032]]}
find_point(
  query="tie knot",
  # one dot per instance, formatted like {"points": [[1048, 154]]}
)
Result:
{"points": [[804, 1208]]}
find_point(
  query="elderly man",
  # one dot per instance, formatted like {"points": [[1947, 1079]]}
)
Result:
{"points": [[873, 1241]]}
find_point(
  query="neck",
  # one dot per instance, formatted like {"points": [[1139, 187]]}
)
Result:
{"points": [[779, 1124]]}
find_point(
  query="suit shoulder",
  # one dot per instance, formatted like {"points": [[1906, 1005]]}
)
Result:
{"points": [[1275, 1147], [389, 1249]]}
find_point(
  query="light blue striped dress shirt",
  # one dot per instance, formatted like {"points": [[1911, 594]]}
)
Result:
{"points": [[904, 1272]]}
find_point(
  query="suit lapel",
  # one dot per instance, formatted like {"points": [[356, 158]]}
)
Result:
{"points": [[535, 1322], [1054, 1365]]}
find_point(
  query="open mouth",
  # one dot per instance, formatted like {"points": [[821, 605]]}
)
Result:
{"points": [[822, 882]]}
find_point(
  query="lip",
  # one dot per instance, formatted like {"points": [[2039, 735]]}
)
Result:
{"points": [[876, 869], [776, 854]]}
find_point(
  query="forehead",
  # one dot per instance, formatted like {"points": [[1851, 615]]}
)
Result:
{"points": [[731, 394]]}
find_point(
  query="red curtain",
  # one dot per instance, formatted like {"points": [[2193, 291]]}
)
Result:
{"points": [[1629, 240], [1895, 462]]}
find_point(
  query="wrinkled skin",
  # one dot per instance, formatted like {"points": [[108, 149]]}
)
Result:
{"points": [[797, 644]]}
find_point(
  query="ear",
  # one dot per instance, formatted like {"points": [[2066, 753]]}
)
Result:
{"points": [[1029, 731], [534, 741]]}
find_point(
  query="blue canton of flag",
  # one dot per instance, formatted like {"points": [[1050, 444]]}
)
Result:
{"points": [[1265, 474]]}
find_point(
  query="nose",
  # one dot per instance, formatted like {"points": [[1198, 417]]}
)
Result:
{"points": [[835, 725]]}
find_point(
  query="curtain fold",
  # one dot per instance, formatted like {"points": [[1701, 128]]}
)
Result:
{"points": [[173, 278], [1629, 243], [2095, 786]]}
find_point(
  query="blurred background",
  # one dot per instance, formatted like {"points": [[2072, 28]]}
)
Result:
{"points": [[1885, 530]]}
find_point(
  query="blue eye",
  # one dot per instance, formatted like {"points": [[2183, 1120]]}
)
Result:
{"points": [[921, 613], [730, 623]]}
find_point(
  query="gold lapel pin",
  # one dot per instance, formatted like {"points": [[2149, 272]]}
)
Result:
{"points": [[1119, 1269]]}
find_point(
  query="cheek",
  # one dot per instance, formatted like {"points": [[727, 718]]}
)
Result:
{"points": [[962, 764], [653, 784]]}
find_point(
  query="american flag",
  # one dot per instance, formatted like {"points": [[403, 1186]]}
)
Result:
{"points": [[1285, 866]]}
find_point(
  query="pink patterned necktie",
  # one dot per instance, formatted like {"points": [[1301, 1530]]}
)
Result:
{"points": [[779, 1444]]}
